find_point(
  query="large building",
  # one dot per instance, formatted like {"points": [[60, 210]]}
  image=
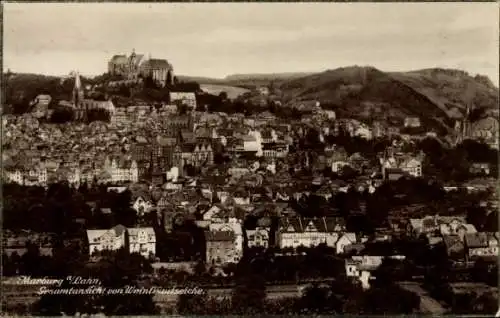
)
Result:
{"points": [[135, 66], [135, 240]]}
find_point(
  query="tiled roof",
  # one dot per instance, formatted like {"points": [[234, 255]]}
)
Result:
{"points": [[119, 59], [451, 240], [134, 233], [119, 229], [324, 224]]}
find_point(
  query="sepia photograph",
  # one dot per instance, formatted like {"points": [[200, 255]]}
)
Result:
{"points": [[274, 159]]}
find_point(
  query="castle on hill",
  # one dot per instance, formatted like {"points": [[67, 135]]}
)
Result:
{"points": [[137, 66]]}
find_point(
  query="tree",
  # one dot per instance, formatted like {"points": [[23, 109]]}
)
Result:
{"points": [[316, 300], [98, 115], [485, 271], [248, 295], [114, 270], [193, 304], [223, 96]]}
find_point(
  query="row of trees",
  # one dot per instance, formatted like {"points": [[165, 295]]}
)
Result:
{"points": [[114, 270], [340, 297]]}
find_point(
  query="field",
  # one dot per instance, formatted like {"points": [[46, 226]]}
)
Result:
{"points": [[232, 91]]}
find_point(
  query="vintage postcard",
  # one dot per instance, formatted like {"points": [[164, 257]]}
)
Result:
{"points": [[249, 159]]}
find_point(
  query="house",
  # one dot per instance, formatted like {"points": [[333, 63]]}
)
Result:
{"points": [[412, 122], [258, 237], [18, 242], [337, 166], [379, 130], [40, 105], [308, 232], [252, 142], [202, 154], [121, 169], [344, 241], [194, 154], [455, 248], [142, 204], [337, 158], [31, 175], [234, 226], [486, 130], [358, 162], [212, 213], [412, 166], [456, 228], [363, 131], [480, 168], [431, 225], [14, 175], [184, 98], [408, 165], [275, 150], [142, 241], [220, 248], [481, 244], [237, 171], [269, 136], [355, 269], [361, 267], [106, 240], [263, 90]]}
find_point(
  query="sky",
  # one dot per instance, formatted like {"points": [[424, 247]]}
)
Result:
{"points": [[219, 39]]}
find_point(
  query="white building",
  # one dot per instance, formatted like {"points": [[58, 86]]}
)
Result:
{"points": [[122, 169], [258, 237], [231, 225], [361, 267], [253, 142], [106, 240], [142, 241], [141, 205]]}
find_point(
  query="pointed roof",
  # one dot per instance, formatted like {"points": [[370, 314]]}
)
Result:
{"points": [[78, 83]]}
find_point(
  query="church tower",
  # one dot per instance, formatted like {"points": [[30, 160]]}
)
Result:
{"points": [[77, 91]]}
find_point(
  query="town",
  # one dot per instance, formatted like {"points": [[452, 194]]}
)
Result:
{"points": [[269, 207]]}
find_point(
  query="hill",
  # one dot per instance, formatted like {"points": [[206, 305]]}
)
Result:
{"points": [[438, 96], [22, 88]]}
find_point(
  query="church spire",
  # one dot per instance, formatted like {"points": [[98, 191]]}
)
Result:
{"points": [[77, 90]]}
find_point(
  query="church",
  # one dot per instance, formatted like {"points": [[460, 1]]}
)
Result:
{"points": [[136, 65], [83, 106]]}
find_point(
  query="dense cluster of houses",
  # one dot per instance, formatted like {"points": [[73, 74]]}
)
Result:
{"points": [[127, 152]]}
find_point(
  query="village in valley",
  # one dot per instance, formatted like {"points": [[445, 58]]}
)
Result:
{"points": [[270, 207]]}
